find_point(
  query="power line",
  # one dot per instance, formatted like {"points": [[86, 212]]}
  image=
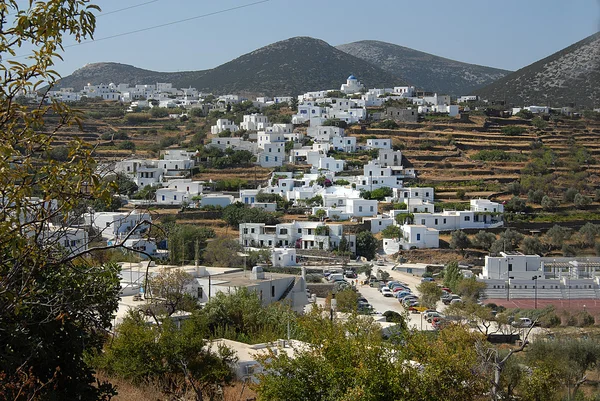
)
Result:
{"points": [[118, 35], [126, 8]]}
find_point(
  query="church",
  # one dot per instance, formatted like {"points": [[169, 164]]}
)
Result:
{"points": [[352, 85]]}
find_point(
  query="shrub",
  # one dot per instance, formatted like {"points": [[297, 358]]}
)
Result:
{"points": [[513, 130], [314, 278], [159, 112], [127, 145], [137, 118], [584, 319], [387, 124]]}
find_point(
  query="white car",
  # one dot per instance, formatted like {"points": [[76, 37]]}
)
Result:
{"points": [[522, 322], [386, 292]]}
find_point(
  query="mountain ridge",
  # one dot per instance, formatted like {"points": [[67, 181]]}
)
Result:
{"points": [[570, 75], [424, 70]]}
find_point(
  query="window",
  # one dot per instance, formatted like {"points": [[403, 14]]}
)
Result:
{"points": [[299, 231], [371, 208], [510, 267], [427, 194], [163, 197], [423, 222], [266, 158], [406, 194], [174, 197], [252, 230], [245, 231], [435, 222], [444, 221], [283, 231], [360, 208], [418, 237], [416, 194], [467, 218]]}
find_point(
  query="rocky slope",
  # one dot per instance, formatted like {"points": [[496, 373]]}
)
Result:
{"points": [[423, 70], [571, 75]]}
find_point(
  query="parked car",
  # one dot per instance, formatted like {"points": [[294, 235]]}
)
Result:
{"points": [[426, 311], [350, 274], [386, 292], [522, 322], [448, 299], [426, 279], [374, 283], [455, 300], [380, 262], [433, 315], [402, 294]]}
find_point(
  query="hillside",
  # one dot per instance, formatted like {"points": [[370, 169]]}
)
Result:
{"points": [[569, 75], [424, 70], [287, 67]]}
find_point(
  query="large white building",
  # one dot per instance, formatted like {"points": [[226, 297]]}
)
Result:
{"points": [[297, 234], [223, 124], [352, 85]]}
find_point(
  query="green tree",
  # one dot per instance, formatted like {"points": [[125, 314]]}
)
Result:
{"points": [[459, 240], [470, 288], [223, 252], [548, 204], [53, 306], [321, 214], [452, 276], [159, 112], [484, 240], [391, 231], [347, 300], [587, 234], [532, 246], [581, 201], [430, 293], [169, 291], [515, 205], [569, 195], [186, 241], [366, 245], [177, 360], [556, 236], [539, 123]]}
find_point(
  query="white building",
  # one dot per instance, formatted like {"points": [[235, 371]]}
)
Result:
{"points": [[255, 122], [113, 225], [297, 234], [412, 236], [223, 124], [352, 85], [344, 144], [283, 257], [379, 143]]}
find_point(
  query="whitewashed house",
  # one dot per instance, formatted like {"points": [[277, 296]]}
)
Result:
{"points": [[283, 257], [379, 143], [113, 225], [223, 124], [352, 85], [255, 122]]}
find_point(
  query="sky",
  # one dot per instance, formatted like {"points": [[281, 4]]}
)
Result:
{"points": [[508, 34]]}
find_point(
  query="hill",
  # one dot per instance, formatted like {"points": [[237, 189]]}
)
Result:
{"points": [[569, 75], [424, 70], [288, 67]]}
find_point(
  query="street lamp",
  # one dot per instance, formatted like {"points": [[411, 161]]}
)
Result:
{"points": [[508, 287], [534, 278]]}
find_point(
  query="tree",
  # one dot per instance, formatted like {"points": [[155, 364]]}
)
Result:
{"points": [[391, 231], [177, 360], [515, 205], [223, 252], [366, 268], [169, 291], [349, 360], [470, 288], [569, 195], [509, 241], [185, 242], [539, 123], [484, 240], [581, 201], [430, 293], [366, 245], [556, 236], [532, 246], [587, 234], [535, 196], [548, 204], [452, 275], [459, 240], [347, 300], [54, 307], [321, 214]]}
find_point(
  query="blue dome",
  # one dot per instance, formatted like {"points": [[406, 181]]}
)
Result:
{"points": [[351, 77]]}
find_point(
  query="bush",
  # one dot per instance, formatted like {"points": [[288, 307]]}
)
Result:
{"points": [[526, 114], [137, 118], [513, 130], [550, 319], [126, 145], [387, 124], [314, 278], [584, 319], [569, 195], [159, 112]]}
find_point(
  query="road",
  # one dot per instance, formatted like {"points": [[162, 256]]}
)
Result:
{"points": [[382, 304]]}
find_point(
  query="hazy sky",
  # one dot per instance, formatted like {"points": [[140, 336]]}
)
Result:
{"points": [[506, 34]]}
